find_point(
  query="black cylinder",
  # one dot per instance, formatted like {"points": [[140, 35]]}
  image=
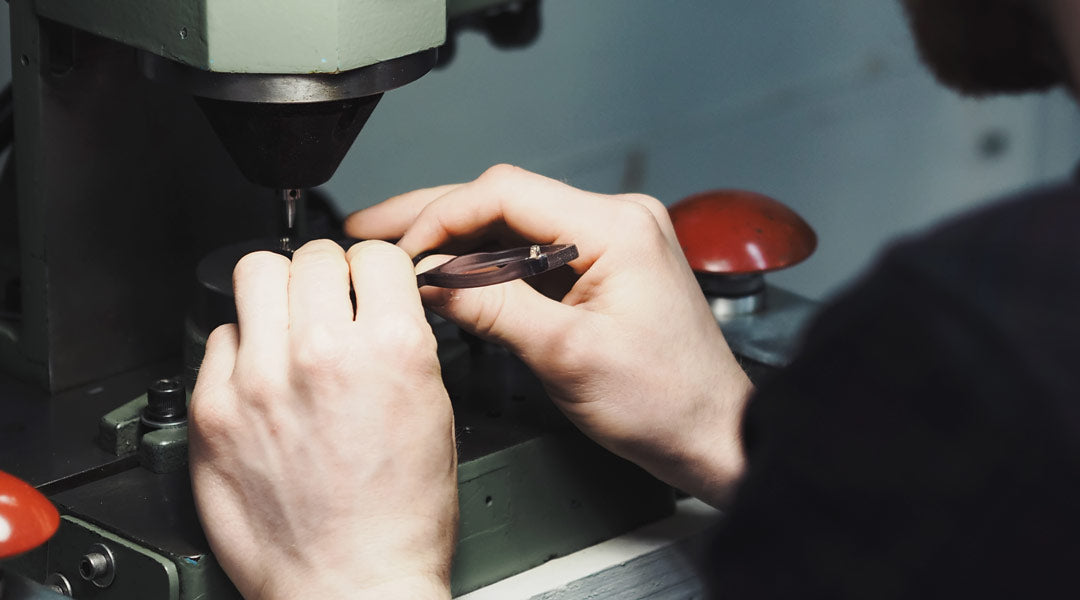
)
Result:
{"points": [[166, 401]]}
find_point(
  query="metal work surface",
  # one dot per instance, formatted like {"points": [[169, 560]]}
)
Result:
{"points": [[660, 561], [50, 441], [537, 497], [772, 336], [155, 510], [125, 570], [546, 498], [249, 36], [531, 487]]}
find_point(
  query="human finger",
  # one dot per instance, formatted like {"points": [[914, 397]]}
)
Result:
{"points": [[260, 286], [219, 356], [512, 314], [207, 404], [319, 286], [383, 279], [389, 219], [539, 209]]}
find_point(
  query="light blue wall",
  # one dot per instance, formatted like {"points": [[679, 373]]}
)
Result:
{"points": [[821, 104]]}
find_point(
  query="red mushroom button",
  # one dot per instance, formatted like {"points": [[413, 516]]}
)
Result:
{"points": [[27, 518], [735, 232]]}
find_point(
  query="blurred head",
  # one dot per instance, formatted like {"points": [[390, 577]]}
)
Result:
{"points": [[987, 46]]}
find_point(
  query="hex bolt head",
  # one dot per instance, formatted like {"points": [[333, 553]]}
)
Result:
{"points": [[98, 566], [166, 401]]}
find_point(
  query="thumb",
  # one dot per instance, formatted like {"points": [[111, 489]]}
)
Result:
{"points": [[512, 314]]}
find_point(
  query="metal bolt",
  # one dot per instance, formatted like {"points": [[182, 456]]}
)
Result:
{"points": [[59, 584], [98, 566], [93, 565], [166, 403]]}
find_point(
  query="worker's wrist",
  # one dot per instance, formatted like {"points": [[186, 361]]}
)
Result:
{"points": [[345, 584], [710, 459], [418, 588]]}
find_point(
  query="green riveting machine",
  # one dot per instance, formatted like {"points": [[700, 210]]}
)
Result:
{"points": [[152, 141]]}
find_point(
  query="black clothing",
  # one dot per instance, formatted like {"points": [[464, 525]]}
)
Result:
{"points": [[926, 443]]}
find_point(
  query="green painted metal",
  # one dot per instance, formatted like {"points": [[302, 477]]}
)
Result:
{"points": [[547, 497], [174, 29], [164, 450], [252, 36], [121, 432], [118, 430], [140, 573], [201, 578]]}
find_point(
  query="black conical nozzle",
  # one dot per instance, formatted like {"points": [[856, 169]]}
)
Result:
{"points": [[288, 145]]}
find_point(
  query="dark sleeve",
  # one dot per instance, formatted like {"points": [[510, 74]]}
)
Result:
{"points": [[913, 450]]}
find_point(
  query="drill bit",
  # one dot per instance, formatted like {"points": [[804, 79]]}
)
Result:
{"points": [[290, 198]]}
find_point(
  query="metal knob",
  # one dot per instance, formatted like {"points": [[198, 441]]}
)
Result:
{"points": [[27, 518], [166, 402]]}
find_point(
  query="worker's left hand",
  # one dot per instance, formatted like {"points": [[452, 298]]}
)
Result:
{"points": [[322, 443]]}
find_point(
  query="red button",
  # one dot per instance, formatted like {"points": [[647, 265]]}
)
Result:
{"points": [[27, 518], [740, 232]]}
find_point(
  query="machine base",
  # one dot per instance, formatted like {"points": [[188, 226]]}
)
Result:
{"points": [[531, 488]]}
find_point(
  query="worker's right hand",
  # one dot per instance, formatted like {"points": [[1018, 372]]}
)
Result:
{"points": [[631, 354]]}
